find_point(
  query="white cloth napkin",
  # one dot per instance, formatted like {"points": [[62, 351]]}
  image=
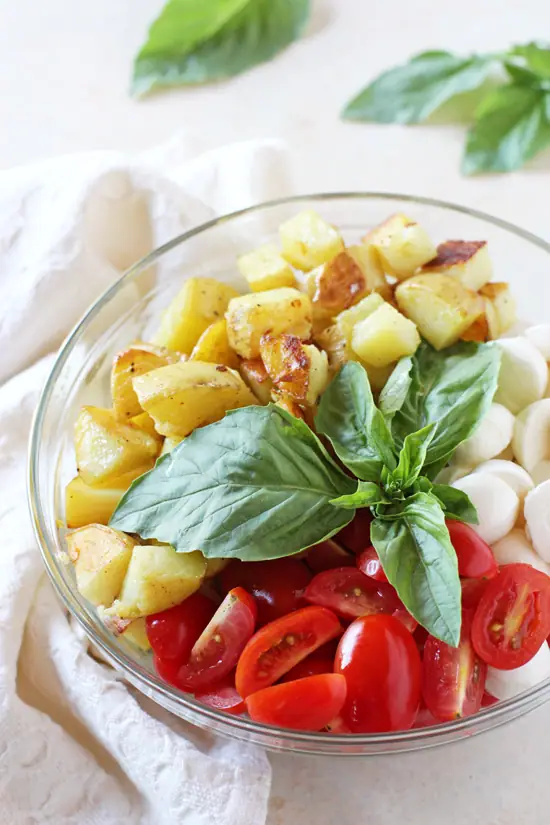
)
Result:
{"points": [[76, 744]]}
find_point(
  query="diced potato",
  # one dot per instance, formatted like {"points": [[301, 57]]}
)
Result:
{"points": [[289, 404], [440, 306], [136, 634], [308, 241], [479, 331], [368, 259], [297, 370], [169, 444], [215, 566], [157, 578], [348, 319], [201, 302], [101, 557], [129, 363], [503, 305], [384, 337], [265, 268], [402, 245], [275, 312], [105, 448], [143, 421], [213, 346], [255, 376], [94, 505], [338, 349], [335, 286], [468, 261], [190, 394]]}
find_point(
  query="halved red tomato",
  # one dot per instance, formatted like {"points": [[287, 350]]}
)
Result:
{"points": [[320, 661], [369, 564], [453, 678], [472, 591], [306, 704], [350, 593], [277, 585], [425, 719], [512, 619], [223, 696], [328, 554], [173, 632], [356, 534], [476, 560], [217, 649], [487, 700], [381, 663], [280, 645]]}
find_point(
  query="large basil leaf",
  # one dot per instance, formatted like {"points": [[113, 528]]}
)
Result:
{"points": [[535, 57], [412, 92], [367, 494], [195, 41], [456, 503], [453, 389], [395, 391], [411, 458], [348, 417], [419, 560], [255, 485]]}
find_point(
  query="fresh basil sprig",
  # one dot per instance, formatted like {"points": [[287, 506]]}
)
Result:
{"points": [[511, 123]]}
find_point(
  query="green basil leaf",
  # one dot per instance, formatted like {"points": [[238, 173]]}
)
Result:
{"points": [[525, 76], [357, 430], [456, 503], [367, 494], [255, 485], [419, 560], [412, 92], [510, 128], [422, 485], [412, 457], [454, 389], [196, 41], [396, 388], [535, 57]]}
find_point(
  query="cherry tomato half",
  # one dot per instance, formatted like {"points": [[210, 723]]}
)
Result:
{"points": [[487, 700], [381, 663], [512, 619], [472, 591], [223, 696], [280, 645], [306, 704], [277, 585], [218, 648], [328, 554], [173, 632], [356, 535], [320, 661], [475, 558], [453, 678], [369, 564], [350, 593]]}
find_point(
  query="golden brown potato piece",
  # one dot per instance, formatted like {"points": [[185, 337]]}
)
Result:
{"points": [[287, 403], [347, 320], [384, 337], [265, 268], [468, 261], [143, 421], [338, 349], [275, 312], [502, 312], [190, 394], [255, 376], [308, 241], [402, 245], [100, 556], [94, 505], [213, 346], [297, 370], [136, 360]]}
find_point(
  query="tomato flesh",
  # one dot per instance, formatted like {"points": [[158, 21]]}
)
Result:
{"points": [[350, 593], [472, 591], [305, 704], [173, 632], [328, 554], [280, 645], [512, 619], [369, 564], [356, 535], [277, 585], [223, 696], [381, 664], [320, 661], [475, 558], [453, 678]]}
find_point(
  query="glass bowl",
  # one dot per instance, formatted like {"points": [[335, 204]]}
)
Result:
{"points": [[130, 309]]}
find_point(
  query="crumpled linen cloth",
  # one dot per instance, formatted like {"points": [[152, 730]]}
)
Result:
{"points": [[77, 745]]}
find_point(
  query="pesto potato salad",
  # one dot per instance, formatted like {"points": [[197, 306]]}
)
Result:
{"points": [[326, 502]]}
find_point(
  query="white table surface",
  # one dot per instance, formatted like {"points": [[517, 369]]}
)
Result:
{"points": [[63, 88]]}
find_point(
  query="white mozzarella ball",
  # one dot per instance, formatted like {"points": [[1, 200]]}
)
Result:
{"points": [[531, 439], [523, 374], [515, 476], [539, 335], [496, 503], [491, 437], [503, 684], [537, 516], [516, 549]]}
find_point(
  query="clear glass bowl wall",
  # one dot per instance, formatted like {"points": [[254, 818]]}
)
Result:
{"points": [[131, 309]]}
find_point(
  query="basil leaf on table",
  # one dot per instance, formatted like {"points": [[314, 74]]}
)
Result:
{"points": [[412, 92], [195, 41], [357, 430], [419, 560], [367, 494], [511, 126], [456, 503], [255, 485], [396, 388]]}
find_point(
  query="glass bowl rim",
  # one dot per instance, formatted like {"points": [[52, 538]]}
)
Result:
{"points": [[287, 739]]}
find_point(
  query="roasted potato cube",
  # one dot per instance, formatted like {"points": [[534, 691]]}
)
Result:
{"points": [[440, 306], [190, 394], [169, 444], [136, 634], [384, 337], [143, 421], [336, 285], [157, 578], [402, 245], [135, 360], [105, 448], [347, 320], [369, 261], [297, 370], [255, 376], [289, 404], [308, 241], [201, 302], [215, 566], [94, 505], [101, 557], [468, 261], [275, 312], [332, 341], [213, 346], [503, 305], [479, 331], [265, 268]]}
